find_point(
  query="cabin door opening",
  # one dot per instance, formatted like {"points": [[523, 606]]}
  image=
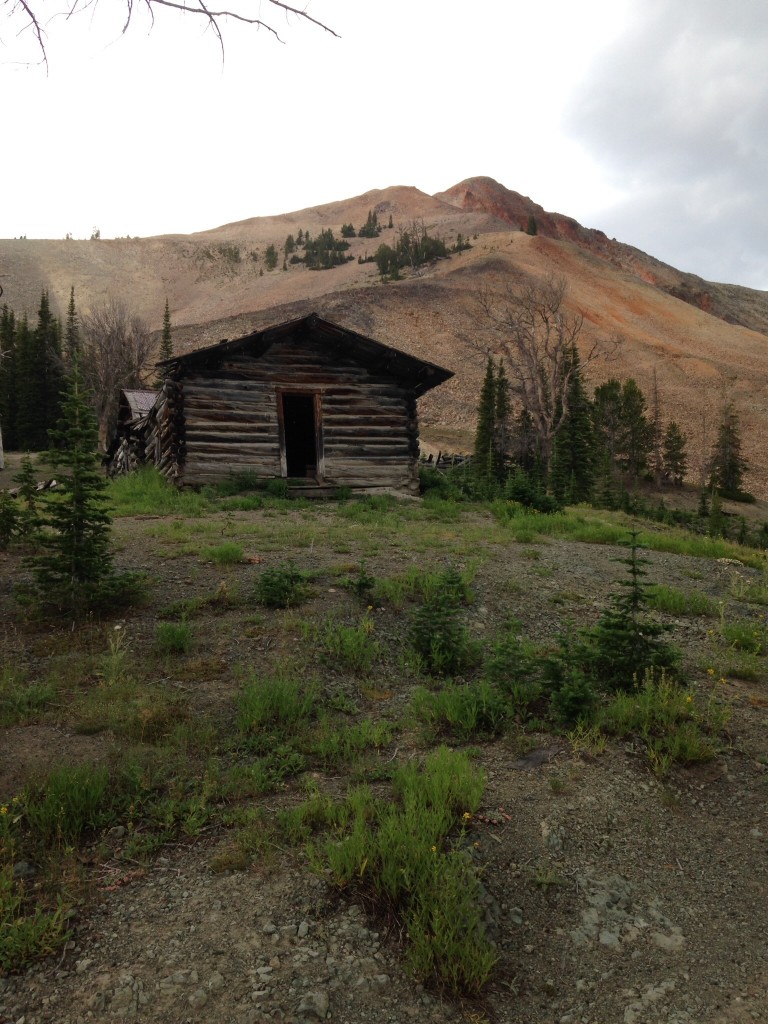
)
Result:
{"points": [[300, 434]]}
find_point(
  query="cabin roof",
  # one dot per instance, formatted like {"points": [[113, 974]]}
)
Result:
{"points": [[418, 374], [138, 403]]}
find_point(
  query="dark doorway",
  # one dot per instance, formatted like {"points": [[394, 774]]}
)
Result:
{"points": [[300, 434]]}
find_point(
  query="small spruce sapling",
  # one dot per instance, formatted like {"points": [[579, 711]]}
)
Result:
{"points": [[626, 644]]}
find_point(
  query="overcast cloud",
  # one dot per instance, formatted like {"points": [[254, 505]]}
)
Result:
{"points": [[675, 113]]}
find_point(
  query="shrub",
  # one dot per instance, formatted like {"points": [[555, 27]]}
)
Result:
{"points": [[282, 586], [512, 661]]}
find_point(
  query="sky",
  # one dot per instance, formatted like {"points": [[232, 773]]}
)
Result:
{"points": [[647, 119]]}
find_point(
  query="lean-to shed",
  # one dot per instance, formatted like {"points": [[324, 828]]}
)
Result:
{"points": [[126, 450], [307, 401]]}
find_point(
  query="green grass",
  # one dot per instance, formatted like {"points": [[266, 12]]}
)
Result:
{"points": [[398, 856], [749, 591], [674, 726], [147, 492], [228, 553], [173, 638], [272, 707], [344, 648], [23, 700], [26, 933], [462, 711], [674, 601], [749, 636]]}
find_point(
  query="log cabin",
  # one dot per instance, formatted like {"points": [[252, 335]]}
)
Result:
{"points": [[306, 401]]}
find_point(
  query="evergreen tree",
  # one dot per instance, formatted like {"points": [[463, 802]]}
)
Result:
{"points": [[626, 643], [502, 412], [8, 378], [657, 455], [637, 433], [531, 227], [270, 257], [74, 569], [71, 330], [30, 423], [40, 378], [166, 344], [674, 454], [371, 227], [728, 464], [572, 473], [484, 461], [717, 524], [524, 448]]}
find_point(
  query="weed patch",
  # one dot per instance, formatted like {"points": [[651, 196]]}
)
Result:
{"points": [[398, 856]]}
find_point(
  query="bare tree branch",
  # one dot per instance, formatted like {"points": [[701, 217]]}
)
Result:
{"points": [[31, 10], [117, 351], [537, 337]]}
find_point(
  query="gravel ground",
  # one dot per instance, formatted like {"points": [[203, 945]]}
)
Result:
{"points": [[612, 897]]}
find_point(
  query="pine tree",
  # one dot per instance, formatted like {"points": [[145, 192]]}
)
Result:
{"points": [[371, 227], [637, 431], [525, 451], [71, 330], [674, 454], [484, 450], [270, 257], [166, 344], [572, 473], [502, 411], [626, 643], [728, 464], [40, 378], [74, 569], [29, 521], [8, 378], [657, 457]]}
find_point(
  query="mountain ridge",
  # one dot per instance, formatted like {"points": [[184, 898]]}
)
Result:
{"points": [[704, 341]]}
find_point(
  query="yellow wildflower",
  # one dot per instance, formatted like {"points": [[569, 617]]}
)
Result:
{"points": [[3, 810]]}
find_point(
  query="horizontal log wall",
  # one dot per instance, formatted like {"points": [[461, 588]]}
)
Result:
{"points": [[230, 419]]}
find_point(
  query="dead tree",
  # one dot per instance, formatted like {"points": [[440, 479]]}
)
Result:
{"points": [[116, 355], [537, 336]]}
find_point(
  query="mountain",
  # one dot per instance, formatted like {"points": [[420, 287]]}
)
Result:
{"points": [[705, 342]]}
